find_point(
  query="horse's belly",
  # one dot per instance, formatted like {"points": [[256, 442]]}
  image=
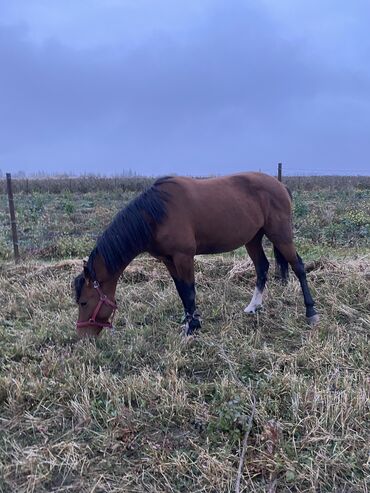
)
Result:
{"points": [[208, 249], [224, 240], [227, 223]]}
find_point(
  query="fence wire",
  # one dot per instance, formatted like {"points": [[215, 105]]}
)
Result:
{"points": [[60, 218]]}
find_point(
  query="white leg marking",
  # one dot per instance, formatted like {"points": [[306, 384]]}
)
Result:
{"points": [[256, 302]]}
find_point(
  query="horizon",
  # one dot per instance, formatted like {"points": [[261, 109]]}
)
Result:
{"points": [[40, 175]]}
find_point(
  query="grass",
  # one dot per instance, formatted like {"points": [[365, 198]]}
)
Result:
{"points": [[56, 226], [142, 409], [91, 183], [327, 220], [145, 410]]}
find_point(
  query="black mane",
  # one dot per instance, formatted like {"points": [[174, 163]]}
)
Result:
{"points": [[129, 233], [79, 284]]}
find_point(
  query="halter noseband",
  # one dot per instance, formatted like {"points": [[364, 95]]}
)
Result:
{"points": [[104, 300]]}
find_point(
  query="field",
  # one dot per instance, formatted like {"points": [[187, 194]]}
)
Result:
{"points": [[144, 410]]}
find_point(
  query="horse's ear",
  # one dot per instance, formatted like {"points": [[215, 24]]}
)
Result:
{"points": [[86, 273]]}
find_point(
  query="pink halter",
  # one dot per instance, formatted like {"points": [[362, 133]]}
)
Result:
{"points": [[103, 300]]}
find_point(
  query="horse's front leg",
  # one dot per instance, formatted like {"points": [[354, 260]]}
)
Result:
{"points": [[181, 268]]}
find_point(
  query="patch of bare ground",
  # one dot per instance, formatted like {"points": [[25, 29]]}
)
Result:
{"points": [[143, 409]]}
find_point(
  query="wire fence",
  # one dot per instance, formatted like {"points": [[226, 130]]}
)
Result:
{"points": [[294, 177], [62, 217], [77, 184]]}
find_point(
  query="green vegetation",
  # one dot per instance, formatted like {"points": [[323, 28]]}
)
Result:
{"points": [[143, 409], [56, 226], [327, 220]]}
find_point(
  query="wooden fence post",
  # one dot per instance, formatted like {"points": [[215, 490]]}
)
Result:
{"points": [[13, 221], [279, 177], [280, 166]]}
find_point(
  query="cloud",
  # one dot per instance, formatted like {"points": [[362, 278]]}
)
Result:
{"points": [[228, 90]]}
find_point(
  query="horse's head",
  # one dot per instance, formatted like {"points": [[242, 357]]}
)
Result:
{"points": [[96, 302]]}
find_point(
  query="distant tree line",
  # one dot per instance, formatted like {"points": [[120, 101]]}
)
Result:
{"points": [[91, 183], [82, 184]]}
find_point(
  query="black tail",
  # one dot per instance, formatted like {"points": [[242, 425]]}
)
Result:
{"points": [[290, 192], [282, 266]]}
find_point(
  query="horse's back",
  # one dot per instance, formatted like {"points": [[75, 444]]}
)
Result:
{"points": [[241, 191], [249, 182], [221, 213]]}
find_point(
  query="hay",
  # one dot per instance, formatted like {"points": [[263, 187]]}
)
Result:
{"points": [[141, 411]]}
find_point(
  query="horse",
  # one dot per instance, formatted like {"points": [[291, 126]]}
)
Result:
{"points": [[179, 217]]}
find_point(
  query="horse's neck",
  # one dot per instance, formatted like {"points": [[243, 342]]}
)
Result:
{"points": [[102, 273]]}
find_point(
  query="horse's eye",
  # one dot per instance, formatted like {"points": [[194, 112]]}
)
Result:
{"points": [[83, 303]]}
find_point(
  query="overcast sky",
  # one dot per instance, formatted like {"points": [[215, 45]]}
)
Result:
{"points": [[186, 87]]}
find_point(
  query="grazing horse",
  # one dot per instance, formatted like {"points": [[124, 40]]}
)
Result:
{"points": [[178, 218]]}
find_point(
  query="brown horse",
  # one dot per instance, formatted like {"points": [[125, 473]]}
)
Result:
{"points": [[178, 218]]}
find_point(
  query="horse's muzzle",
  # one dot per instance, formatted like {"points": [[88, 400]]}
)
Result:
{"points": [[92, 327]]}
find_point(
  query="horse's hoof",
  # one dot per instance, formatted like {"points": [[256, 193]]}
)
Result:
{"points": [[192, 331], [192, 324], [251, 310], [188, 332], [313, 320]]}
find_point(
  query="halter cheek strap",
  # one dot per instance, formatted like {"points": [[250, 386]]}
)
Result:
{"points": [[103, 300]]}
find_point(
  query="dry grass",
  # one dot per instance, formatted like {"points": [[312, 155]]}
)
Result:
{"points": [[329, 219], [145, 410], [82, 184], [89, 183]]}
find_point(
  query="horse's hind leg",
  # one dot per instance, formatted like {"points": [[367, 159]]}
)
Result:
{"points": [[281, 266], [181, 268], [289, 253], [261, 264]]}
